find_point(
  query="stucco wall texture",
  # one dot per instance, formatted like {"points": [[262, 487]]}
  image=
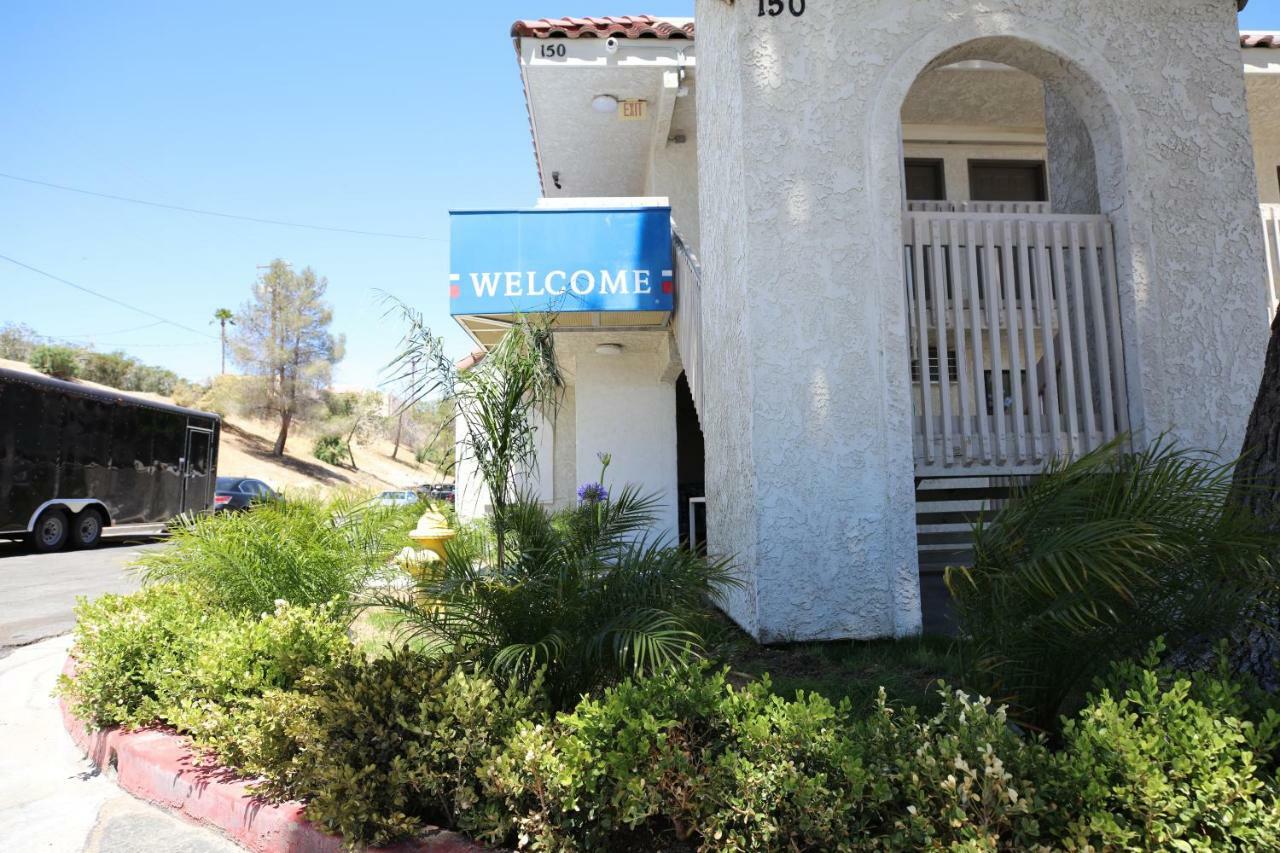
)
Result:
{"points": [[808, 417]]}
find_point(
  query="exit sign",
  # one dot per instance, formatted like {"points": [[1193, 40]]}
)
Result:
{"points": [[633, 110]]}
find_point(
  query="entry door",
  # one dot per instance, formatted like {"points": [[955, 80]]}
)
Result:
{"points": [[198, 471]]}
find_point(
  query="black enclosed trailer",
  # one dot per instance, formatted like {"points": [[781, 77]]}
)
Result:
{"points": [[75, 459]]}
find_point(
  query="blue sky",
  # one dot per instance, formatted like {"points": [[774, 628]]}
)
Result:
{"points": [[370, 116], [373, 116]]}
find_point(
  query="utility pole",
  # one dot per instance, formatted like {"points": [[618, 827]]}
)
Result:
{"points": [[224, 316]]}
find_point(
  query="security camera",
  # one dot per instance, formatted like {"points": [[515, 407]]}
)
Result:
{"points": [[611, 45]]}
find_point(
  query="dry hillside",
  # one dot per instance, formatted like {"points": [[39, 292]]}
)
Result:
{"points": [[245, 451]]}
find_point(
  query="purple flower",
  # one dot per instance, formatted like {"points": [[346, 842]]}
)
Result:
{"points": [[592, 493]]}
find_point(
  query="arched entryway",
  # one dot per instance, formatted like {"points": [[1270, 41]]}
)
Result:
{"points": [[1011, 287]]}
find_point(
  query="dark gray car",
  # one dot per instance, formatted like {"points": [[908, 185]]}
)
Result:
{"points": [[236, 494]]}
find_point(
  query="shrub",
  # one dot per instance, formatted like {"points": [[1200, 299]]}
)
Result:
{"points": [[163, 654], [304, 551], [237, 660], [1159, 760], [330, 449], [58, 362], [686, 757], [133, 653], [1097, 558], [382, 748], [582, 596]]}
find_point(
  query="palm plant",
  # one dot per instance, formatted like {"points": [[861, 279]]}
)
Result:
{"points": [[585, 596], [305, 551], [1094, 560], [497, 400]]}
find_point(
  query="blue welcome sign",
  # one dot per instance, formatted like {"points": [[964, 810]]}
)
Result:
{"points": [[616, 259]]}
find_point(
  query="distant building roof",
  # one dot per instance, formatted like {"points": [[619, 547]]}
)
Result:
{"points": [[621, 26], [1260, 39]]}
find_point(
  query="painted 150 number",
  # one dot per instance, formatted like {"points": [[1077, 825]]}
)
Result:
{"points": [[774, 8], [551, 50]]}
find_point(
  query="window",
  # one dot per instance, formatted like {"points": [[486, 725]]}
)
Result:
{"points": [[1007, 180], [953, 370], [926, 180]]}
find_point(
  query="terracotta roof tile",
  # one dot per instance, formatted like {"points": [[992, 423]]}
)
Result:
{"points": [[1271, 39], [622, 26]]}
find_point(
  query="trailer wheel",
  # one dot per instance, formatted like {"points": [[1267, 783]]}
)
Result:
{"points": [[51, 531], [86, 528]]}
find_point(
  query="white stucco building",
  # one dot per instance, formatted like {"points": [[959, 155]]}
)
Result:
{"points": [[916, 249]]}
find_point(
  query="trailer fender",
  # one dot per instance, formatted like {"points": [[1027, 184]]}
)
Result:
{"points": [[71, 505]]}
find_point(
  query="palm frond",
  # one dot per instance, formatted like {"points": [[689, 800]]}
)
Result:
{"points": [[1097, 557]]}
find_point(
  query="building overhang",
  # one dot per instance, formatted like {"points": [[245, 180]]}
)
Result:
{"points": [[566, 64], [588, 267]]}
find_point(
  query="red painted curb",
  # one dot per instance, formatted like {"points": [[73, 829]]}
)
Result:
{"points": [[158, 766]]}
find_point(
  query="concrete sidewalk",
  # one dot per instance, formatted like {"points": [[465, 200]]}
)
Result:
{"points": [[51, 797]]}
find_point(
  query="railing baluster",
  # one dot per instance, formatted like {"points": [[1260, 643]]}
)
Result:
{"points": [[1087, 404], [922, 335], [1009, 278], [938, 276], [956, 276], [975, 326], [991, 281], [1049, 360], [1026, 261], [1062, 300], [1119, 382], [1098, 310]]}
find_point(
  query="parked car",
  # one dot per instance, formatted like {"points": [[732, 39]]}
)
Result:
{"points": [[435, 492], [403, 497], [236, 494]]}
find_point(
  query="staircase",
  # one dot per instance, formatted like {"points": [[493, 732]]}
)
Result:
{"points": [[946, 508]]}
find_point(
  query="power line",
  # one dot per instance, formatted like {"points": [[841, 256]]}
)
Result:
{"points": [[110, 299], [202, 212], [92, 335]]}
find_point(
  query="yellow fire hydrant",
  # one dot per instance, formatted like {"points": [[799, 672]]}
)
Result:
{"points": [[432, 532]]}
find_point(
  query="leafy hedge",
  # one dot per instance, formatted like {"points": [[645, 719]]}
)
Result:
{"points": [[380, 748]]}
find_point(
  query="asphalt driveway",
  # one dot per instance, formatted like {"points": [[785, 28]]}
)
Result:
{"points": [[38, 591]]}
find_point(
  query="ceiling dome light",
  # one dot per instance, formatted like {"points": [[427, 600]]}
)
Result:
{"points": [[609, 349], [604, 104]]}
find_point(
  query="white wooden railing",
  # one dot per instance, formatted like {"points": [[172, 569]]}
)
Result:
{"points": [[1015, 335], [1271, 242], [979, 206], [687, 319]]}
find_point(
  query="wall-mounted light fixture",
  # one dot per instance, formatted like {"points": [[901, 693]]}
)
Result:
{"points": [[604, 104], [608, 349]]}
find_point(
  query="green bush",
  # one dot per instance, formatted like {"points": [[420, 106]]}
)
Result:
{"points": [[58, 362], [1159, 760], [239, 659], [682, 757], [1097, 558], [133, 653], [303, 551], [330, 449], [583, 597], [163, 654], [687, 758], [380, 749]]}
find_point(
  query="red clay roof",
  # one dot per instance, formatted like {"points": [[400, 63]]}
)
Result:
{"points": [[647, 26], [622, 26], [1260, 40]]}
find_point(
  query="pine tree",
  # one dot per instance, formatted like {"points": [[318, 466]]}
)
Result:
{"points": [[283, 340]]}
